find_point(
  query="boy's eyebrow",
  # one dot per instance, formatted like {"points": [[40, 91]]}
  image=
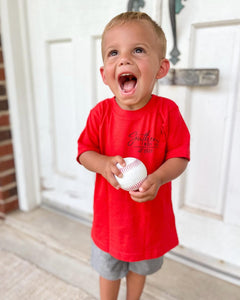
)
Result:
{"points": [[133, 46], [140, 44]]}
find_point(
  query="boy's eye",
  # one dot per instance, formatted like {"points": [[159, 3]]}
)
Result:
{"points": [[138, 50], [113, 53]]}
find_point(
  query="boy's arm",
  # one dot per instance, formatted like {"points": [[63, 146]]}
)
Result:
{"points": [[168, 171], [102, 164]]}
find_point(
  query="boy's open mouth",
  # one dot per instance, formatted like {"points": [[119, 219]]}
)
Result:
{"points": [[127, 82]]}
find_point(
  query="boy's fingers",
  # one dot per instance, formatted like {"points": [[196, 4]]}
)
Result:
{"points": [[138, 198], [114, 183], [116, 171], [119, 160], [145, 192], [145, 186], [141, 197], [136, 194]]}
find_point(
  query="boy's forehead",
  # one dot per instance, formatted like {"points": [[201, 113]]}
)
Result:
{"points": [[128, 27]]}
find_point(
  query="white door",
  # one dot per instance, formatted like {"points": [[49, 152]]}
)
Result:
{"points": [[65, 39], [65, 53], [207, 198]]}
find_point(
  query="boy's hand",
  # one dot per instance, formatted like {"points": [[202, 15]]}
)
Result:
{"points": [[110, 169], [103, 164], [168, 171], [148, 190], [106, 166]]}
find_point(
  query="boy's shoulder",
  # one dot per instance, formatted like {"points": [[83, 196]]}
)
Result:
{"points": [[163, 101], [104, 104], [163, 104], [102, 108]]}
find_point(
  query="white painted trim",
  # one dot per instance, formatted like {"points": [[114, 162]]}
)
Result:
{"points": [[21, 102], [206, 264]]}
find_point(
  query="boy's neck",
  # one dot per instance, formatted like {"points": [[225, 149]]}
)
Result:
{"points": [[132, 107]]}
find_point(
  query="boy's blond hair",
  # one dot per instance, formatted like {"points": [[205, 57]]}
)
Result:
{"points": [[131, 16]]}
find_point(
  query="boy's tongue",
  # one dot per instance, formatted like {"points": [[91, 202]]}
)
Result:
{"points": [[129, 85]]}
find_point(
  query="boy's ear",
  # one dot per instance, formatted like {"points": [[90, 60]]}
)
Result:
{"points": [[103, 75], [163, 69]]}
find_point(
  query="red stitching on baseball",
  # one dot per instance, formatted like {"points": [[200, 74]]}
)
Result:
{"points": [[130, 166]]}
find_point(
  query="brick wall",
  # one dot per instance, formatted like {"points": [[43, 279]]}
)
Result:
{"points": [[8, 185]]}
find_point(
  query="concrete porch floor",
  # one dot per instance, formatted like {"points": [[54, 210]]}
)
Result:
{"points": [[45, 255]]}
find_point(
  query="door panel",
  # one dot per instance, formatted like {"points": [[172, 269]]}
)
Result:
{"points": [[207, 197], [211, 115], [65, 39]]}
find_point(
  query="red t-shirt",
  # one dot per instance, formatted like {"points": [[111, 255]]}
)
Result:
{"points": [[128, 230]]}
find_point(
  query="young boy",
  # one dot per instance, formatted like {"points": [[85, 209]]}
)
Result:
{"points": [[132, 230]]}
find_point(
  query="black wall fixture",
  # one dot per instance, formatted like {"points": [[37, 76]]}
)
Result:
{"points": [[186, 77], [134, 5]]}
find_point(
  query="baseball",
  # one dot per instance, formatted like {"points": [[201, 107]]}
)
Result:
{"points": [[134, 173]]}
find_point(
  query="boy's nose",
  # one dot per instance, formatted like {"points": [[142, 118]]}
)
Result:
{"points": [[125, 60]]}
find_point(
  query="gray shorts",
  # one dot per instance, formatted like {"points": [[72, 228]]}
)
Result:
{"points": [[112, 269]]}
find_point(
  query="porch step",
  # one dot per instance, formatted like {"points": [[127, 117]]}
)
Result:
{"points": [[60, 246], [20, 279], [57, 245], [31, 249]]}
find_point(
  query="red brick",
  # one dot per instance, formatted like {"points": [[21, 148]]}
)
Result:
{"points": [[6, 165], [8, 193], [4, 120], [2, 74], [7, 179], [6, 149], [10, 206], [5, 134]]}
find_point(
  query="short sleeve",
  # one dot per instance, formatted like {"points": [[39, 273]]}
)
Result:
{"points": [[89, 138], [178, 140]]}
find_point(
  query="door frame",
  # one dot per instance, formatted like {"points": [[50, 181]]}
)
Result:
{"points": [[17, 60]]}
